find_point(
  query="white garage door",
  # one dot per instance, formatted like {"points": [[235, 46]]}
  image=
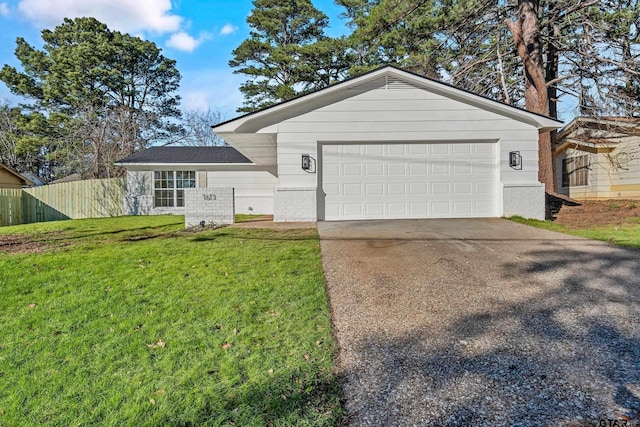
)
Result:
{"points": [[379, 181]]}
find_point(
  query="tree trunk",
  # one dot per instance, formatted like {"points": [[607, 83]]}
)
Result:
{"points": [[526, 36], [551, 72]]}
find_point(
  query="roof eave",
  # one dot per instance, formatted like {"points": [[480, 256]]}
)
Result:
{"points": [[159, 164], [25, 182], [588, 120], [259, 147], [576, 143]]}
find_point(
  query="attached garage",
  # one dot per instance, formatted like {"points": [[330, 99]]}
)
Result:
{"points": [[419, 180], [393, 145]]}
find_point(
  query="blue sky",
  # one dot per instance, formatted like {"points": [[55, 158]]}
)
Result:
{"points": [[198, 34]]}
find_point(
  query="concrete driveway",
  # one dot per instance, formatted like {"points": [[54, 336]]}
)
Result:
{"points": [[482, 323]]}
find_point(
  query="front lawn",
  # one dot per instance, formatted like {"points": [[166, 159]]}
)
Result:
{"points": [[625, 234], [134, 321]]}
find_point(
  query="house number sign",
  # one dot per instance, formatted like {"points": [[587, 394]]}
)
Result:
{"points": [[209, 197]]}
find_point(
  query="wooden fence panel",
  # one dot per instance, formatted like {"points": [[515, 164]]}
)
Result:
{"points": [[93, 198], [10, 206]]}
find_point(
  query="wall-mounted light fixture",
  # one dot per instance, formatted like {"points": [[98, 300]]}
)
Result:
{"points": [[308, 163], [515, 160]]}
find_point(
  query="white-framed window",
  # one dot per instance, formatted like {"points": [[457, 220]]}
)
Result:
{"points": [[169, 187]]}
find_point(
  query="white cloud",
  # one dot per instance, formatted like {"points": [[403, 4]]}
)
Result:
{"points": [[4, 9], [215, 88], [196, 100], [121, 15], [228, 29], [186, 43], [182, 41]]}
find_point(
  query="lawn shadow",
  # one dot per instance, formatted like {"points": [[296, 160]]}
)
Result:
{"points": [[569, 354], [259, 234], [302, 396], [278, 402]]}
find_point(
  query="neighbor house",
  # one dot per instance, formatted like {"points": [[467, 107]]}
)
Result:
{"points": [[599, 158], [157, 177], [386, 144], [37, 181], [12, 179]]}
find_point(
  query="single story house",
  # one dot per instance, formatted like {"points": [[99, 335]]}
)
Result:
{"points": [[74, 177], [387, 144], [157, 177], [599, 158], [12, 179], [37, 180]]}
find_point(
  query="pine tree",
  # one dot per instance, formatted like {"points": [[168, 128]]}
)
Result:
{"points": [[286, 54], [586, 52], [96, 96]]}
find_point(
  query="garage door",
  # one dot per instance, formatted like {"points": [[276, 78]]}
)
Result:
{"points": [[437, 180]]}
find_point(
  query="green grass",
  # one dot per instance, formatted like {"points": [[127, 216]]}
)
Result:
{"points": [[627, 234], [133, 321], [246, 217]]}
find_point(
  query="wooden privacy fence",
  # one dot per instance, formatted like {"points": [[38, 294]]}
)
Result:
{"points": [[10, 206], [93, 198]]}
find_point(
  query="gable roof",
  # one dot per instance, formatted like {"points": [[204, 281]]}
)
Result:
{"points": [[249, 133], [25, 182], [184, 155], [628, 125], [601, 133], [69, 178], [35, 179]]}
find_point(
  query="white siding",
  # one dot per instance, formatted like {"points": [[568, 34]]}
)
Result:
{"points": [[401, 115], [253, 189]]}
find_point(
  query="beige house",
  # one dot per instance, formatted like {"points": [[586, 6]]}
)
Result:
{"points": [[12, 179], [599, 158]]}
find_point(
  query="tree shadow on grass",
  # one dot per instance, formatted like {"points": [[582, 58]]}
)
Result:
{"points": [[260, 235], [567, 354], [123, 234], [284, 398]]}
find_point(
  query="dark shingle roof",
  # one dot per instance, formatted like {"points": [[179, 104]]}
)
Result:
{"points": [[186, 155]]}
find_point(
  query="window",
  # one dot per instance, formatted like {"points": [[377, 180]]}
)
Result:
{"points": [[169, 187], [575, 171]]}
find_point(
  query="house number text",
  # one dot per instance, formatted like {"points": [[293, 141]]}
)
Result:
{"points": [[209, 197]]}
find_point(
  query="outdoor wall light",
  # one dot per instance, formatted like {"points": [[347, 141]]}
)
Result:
{"points": [[515, 160], [308, 163]]}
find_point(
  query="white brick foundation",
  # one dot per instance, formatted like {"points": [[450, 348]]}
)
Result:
{"points": [[295, 204], [525, 200], [211, 205]]}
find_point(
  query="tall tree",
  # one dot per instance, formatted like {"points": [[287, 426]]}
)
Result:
{"points": [[97, 95], [14, 148], [285, 35], [461, 41], [197, 125], [526, 37], [364, 53], [584, 52], [611, 47]]}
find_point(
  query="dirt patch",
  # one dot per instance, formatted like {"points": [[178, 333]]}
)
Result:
{"points": [[267, 222], [602, 212], [21, 243]]}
